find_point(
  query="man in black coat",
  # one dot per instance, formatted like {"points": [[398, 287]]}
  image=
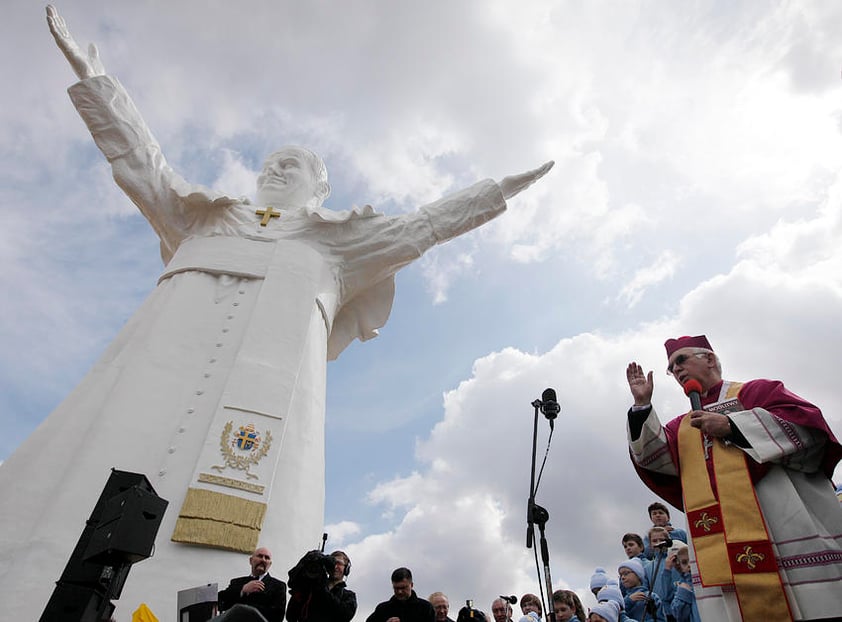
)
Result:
{"points": [[259, 590], [404, 606]]}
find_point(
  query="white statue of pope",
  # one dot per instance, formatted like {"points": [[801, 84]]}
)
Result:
{"points": [[215, 388]]}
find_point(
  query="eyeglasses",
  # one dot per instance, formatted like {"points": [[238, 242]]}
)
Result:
{"points": [[681, 359]]}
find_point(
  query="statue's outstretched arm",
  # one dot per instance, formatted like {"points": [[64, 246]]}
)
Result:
{"points": [[85, 66], [137, 163], [514, 184]]}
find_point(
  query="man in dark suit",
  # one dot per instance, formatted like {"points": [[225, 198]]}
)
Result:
{"points": [[404, 606], [259, 590]]}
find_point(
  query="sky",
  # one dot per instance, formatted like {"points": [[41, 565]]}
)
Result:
{"points": [[697, 188]]}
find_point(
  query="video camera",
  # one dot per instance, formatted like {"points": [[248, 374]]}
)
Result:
{"points": [[313, 571], [469, 614]]}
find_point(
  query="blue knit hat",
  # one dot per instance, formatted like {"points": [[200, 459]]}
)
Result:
{"points": [[598, 579], [608, 610], [612, 593], [635, 566]]}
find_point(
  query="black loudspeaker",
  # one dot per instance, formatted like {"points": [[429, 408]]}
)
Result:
{"points": [[81, 571], [127, 528], [119, 482], [85, 589], [76, 602]]}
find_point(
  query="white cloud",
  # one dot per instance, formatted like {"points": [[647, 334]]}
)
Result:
{"points": [[235, 178], [663, 267], [444, 266], [341, 532]]}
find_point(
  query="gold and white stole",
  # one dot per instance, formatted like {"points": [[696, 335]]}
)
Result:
{"points": [[729, 534]]}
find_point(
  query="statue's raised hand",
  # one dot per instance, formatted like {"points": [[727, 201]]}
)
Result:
{"points": [[513, 184], [85, 66]]}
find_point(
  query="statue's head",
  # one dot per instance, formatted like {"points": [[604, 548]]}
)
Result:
{"points": [[294, 177]]}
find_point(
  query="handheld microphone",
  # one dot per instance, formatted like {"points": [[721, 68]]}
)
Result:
{"points": [[512, 600], [693, 390], [549, 406]]}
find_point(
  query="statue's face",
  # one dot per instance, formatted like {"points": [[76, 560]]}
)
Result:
{"points": [[288, 180]]}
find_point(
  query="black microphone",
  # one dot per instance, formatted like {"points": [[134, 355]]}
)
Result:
{"points": [[693, 390], [665, 545], [512, 600], [549, 405]]}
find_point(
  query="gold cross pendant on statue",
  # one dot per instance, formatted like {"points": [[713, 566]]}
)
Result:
{"points": [[267, 214]]}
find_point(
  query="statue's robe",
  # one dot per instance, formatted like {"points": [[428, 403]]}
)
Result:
{"points": [[237, 333]]}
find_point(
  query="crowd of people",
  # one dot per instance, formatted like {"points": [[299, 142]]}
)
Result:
{"points": [[654, 580], [318, 593]]}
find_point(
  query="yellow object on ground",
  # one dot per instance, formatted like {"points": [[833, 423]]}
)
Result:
{"points": [[144, 614]]}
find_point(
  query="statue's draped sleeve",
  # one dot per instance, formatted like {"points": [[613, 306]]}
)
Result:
{"points": [[165, 199], [375, 247]]}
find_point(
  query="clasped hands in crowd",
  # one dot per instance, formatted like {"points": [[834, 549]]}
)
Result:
{"points": [[255, 585]]}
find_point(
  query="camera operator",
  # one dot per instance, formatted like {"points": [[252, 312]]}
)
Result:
{"points": [[317, 589], [469, 614]]}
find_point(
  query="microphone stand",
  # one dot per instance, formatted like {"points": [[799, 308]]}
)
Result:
{"points": [[651, 608], [537, 515]]}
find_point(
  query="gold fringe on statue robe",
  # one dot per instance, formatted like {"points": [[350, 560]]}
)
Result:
{"points": [[218, 520]]}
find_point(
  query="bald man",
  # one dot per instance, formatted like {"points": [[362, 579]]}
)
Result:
{"points": [[259, 590]]}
